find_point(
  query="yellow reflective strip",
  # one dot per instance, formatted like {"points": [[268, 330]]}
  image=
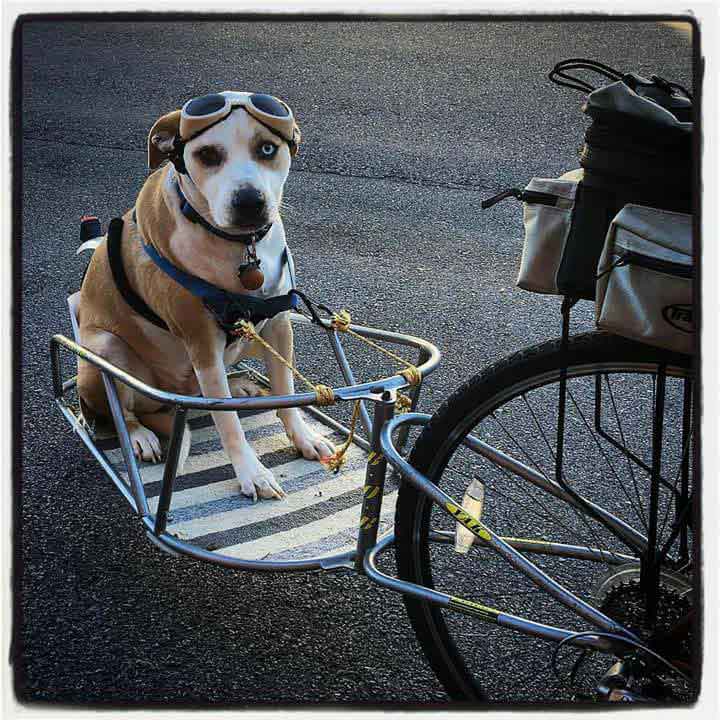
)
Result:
{"points": [[473, 525], [374, 458], [520, 541], [371, 491], [482, 611]]}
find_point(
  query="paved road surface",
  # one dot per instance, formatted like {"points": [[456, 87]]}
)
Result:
{"points": [[406, 126]]}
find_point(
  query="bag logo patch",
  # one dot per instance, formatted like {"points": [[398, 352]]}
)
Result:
{"points": [[680, 317]]}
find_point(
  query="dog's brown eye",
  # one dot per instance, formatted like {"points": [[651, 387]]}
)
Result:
{"points": [[209, 156]]}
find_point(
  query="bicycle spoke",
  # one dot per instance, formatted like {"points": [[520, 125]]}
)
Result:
{"points": [[539, 427], [622, 440], [640, 518], [533, 494], [522, 450], [676, 482], [592, 533], [546, 514]]}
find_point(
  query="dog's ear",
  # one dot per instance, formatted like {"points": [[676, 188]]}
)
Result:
{"points": [[297, 137], [160, 139]]}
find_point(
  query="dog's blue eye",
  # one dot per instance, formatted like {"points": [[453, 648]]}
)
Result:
{"points": [[268, 149]]}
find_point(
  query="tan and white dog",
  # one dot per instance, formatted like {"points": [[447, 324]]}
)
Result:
{"points": [[238, 169]]}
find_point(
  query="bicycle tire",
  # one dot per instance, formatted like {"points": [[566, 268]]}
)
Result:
{"points": [[436, 443]]}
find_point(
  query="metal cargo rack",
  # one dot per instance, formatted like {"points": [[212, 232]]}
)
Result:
{"points": [[327, 520]]}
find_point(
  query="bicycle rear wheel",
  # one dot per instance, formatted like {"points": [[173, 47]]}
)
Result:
{"points": [[612, 393]]}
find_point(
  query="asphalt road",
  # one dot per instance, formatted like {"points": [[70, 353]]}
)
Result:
{"points": [[406, 126]]}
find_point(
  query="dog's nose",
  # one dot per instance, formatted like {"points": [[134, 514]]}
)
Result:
{"points": [[248, 203]]}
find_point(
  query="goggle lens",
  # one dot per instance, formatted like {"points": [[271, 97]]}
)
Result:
{"points": [[205, 105], [269, 105]]}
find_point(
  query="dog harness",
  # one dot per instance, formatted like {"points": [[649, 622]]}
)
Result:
{"points": [[227, 308]]}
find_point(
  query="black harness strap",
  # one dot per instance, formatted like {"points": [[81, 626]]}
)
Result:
{"points": [[114, 248], [227, 308]]}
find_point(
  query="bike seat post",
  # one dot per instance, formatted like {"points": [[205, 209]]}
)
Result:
{"points": [[374, 480]]}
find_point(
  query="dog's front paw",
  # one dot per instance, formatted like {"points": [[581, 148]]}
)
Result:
{"points": [[312, 445], [144, 442], [257, 481]]}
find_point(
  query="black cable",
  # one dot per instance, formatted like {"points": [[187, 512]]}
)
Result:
{"points": [[620, 638], [309, 304], [596, 65]]}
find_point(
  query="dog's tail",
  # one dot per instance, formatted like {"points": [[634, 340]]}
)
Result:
{"points": [[91, 234]]}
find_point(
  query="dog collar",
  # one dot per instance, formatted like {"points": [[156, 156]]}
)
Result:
{"points": [[195, 217]]}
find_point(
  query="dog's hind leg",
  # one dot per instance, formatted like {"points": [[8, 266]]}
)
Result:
{"points": [[161, 423], [244, 386], [144, 441]]}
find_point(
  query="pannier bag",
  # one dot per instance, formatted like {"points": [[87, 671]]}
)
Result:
{"points": [[645, 278], [638, 150], [547, 215]]}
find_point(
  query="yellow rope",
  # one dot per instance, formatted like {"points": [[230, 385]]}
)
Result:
{"points": [[246, 330], [341, 322], [335, 461], [324, 394]]}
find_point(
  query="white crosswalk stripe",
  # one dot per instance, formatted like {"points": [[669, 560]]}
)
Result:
{"points": [[153, 472], [212, 509], [206, 434], [265, 510], [267, 546], [225, 489]]}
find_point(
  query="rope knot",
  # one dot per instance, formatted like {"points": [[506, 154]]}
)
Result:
{"points": [[335, 461], [245, 330], [325, 395], [341, 321], [403, 403], [412, 374]]}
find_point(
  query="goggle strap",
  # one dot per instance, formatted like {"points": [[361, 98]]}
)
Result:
{"points": [[176, 157], [211, 125], [179, 143]]}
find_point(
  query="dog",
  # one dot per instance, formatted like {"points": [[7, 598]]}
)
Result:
{"points": [[226, 173]]}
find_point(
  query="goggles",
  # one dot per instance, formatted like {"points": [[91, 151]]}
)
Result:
{"points": [[202, 113]]}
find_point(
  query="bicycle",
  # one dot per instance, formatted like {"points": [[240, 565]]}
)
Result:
{"points": [[633, 560], [554, 494]]}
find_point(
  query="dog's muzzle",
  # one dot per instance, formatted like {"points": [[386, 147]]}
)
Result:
{"points": [[248, 206]]}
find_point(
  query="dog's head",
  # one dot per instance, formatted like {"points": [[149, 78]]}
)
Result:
{"points": [[238, 159]]}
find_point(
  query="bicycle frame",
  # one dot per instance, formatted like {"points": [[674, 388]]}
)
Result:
{"points": [[383, 453], [508, 548]]}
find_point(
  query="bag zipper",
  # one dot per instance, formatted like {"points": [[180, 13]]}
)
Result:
{"points": [[510, 192], [528, 196], [629, 257]]}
